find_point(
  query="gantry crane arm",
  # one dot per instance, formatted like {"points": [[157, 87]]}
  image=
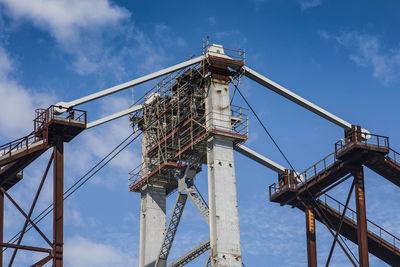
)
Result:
{"points": [[264, 81], [129, 84]]}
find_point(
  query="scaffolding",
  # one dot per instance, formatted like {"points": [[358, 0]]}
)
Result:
{"points": [[177, 126]]}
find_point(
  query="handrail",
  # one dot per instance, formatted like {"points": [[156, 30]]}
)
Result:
{"points": [[380, 141], [43, 116], [377, 140], [394, 156], [380, 233]]}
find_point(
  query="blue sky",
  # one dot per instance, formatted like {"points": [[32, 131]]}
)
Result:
{"points": [[341, 55]]}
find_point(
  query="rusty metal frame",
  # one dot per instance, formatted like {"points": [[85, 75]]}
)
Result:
{"points": [[324, 221], [340, 224], [362, 235], [55, 252]]}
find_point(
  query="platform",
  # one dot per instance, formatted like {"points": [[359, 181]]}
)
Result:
{"points": [[18, 154]]}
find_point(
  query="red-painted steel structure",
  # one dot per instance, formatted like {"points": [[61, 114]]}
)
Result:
{"points": [[307, 190], [50, 131]]}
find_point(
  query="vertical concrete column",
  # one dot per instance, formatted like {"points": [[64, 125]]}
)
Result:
{"points": [[224, 219], [311, 240], [152, 219], [362, 237]]}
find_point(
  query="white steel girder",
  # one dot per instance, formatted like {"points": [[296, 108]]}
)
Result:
{"points": [[129, 84]]}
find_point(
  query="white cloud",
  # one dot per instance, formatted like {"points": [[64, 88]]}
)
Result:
{"points": [[78, 30], [367, 51], [306, 4], [16, 101], [80, 251], [66, 18]]}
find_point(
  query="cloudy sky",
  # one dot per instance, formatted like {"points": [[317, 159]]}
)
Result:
{"points": [[342, 56]]}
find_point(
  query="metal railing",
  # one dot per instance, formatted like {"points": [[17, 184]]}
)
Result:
{"points": [[394, 156], [383, 235], [315, 169], [277, 188], [18, 144], [235, 54], [379, 141], [44, 116]]}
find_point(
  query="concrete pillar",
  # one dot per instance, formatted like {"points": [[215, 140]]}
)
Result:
{"points": [[224, 219], [152, 224], [152, 218]]}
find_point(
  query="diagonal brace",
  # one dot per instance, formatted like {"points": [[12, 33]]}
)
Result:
{"points": [[171, 229], [31, 209], [191, 254], [340, 224], [26, 216]]}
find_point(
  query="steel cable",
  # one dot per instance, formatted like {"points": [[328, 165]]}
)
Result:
{"points": [[314, 202], [50, 208]]}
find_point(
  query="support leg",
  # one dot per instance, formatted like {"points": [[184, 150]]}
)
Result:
{"points": [[224, 218], [1, 227], [311, 240], [223, 210], [152, 224], [362, 237], [58, 190]]}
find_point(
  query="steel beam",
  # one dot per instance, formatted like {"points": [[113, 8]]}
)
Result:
{"points": [[131, 83], [198, 203], [42, 262], [264, 81], [224, 218], [113, 116], [362, 235], [32, 208], [58, 201], [31, 248], [191, 254], [251, 154], [171, 230], [311, 239], [340, 224]]}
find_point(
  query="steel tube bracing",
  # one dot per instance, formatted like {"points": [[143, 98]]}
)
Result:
{"points": [[242, 149], [198, 203], [32, 208], [113, 116], [170, 232], [264, 81], [191, 254], [129, 84]]}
